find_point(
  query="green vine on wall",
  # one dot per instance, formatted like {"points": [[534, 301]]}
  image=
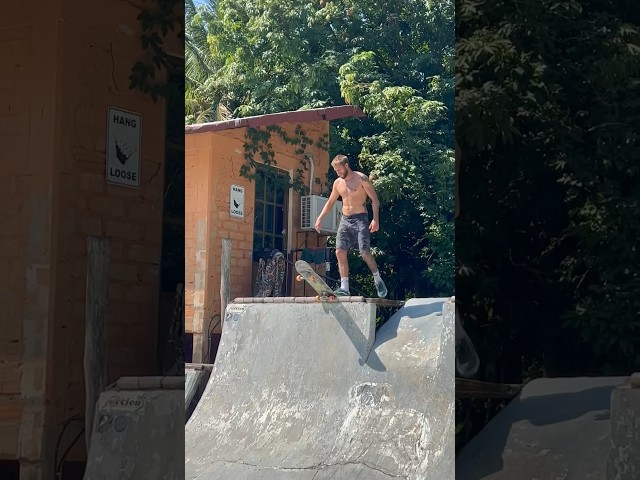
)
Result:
{"points": [[258, 146], [150, 75], [157, 22]]}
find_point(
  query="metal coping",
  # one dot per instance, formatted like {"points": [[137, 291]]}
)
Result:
{"points": [[352, 299]]}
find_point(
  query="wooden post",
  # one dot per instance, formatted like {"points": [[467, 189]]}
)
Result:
{"points": [[95, 340], [225, 278]]}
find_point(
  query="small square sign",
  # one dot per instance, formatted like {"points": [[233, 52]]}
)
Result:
{"points": [[123, 147], [236, 207]]}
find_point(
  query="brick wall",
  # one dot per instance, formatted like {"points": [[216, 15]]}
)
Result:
{"points": [[226, 172], [98, 64], [58, 76], [197, 181], [14, 132], [212, 166]]}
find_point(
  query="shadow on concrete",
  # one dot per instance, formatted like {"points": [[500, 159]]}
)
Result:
{"points": [[417, 311], [388, 331], [366, 348], [539, 410], [362, 344]]}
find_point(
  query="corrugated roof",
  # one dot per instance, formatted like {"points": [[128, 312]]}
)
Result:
{"points": [[313, 115]]}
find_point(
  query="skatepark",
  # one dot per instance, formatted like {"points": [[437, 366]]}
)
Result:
{"points": [[302, 390]]}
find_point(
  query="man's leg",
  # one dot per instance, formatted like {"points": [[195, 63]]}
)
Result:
{"points": [[343, 268], [342, 247], [364, 237], [369, 260]]}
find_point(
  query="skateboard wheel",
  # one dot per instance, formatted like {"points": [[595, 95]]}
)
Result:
{"points": [[299, 278], [312, 278]]}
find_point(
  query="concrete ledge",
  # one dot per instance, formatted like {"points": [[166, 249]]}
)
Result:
{"points": [[346, 299], [138, 434], [148, 383]]}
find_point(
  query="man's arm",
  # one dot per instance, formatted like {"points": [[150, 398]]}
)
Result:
{"points": [[371, 192], [327, 206]]}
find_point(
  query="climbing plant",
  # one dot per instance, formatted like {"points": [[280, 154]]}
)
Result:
{"points": [[394, 60], [157, 21], [258, 149]]}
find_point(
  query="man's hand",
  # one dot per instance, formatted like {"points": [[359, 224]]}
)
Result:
{"points": [[318, 222], [373, 226]]}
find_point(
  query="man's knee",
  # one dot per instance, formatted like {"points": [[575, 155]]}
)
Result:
{"points": [[365, 253], [341, 253]]}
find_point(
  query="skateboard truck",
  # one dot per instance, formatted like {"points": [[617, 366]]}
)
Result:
{"points": [[324, 296], [308, 274]]}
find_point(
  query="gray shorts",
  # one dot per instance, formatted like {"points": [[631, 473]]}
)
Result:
{"points": [[354, 231]]}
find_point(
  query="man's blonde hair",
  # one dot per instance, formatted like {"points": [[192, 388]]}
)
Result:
{"points": [[340, 159]]}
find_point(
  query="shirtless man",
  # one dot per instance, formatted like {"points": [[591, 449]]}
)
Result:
{"points": [[354, 188]]}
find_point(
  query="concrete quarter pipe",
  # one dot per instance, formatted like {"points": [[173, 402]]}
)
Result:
{"points": [[310, 391]]}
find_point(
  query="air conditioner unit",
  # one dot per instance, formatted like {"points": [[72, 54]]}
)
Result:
{"points": [[312, 205]]}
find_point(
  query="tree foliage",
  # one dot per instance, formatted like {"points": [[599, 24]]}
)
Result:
{"points": [[548, 118], [149, 74], [394, 60]]}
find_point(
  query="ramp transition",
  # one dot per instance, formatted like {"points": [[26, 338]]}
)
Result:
{"points": [[556, 428], [303, 391]]}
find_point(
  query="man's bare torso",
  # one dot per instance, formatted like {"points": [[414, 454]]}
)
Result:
{"points": [[353, 195]]}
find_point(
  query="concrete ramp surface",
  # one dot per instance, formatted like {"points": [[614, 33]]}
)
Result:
{"points": [[555, 429], [303, 391]]}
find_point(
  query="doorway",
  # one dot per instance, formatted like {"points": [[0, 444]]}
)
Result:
{"points": [[271, 213]]}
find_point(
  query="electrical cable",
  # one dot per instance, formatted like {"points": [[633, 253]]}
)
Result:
{"points": [[59, 470], [67, 422]]}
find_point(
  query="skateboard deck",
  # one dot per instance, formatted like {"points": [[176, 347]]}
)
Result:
{"points": [[308, 274]]}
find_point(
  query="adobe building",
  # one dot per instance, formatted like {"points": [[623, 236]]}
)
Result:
{"points": [[82, 155], [257, 216]]}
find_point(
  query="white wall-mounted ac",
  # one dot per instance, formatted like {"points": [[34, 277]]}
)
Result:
{"points": [[312, 205]]}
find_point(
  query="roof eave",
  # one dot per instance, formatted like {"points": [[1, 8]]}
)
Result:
{"points": [[297, 116]]}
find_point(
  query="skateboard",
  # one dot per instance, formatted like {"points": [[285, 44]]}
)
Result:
{"points": [[305, 272]]}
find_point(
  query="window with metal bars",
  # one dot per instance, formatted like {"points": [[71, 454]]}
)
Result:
{"points": [[270, 217]]}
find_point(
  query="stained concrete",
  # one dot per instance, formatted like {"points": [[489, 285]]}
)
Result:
{"points": [[308, 391], [623, 462], [138, 431], [556, 429]]}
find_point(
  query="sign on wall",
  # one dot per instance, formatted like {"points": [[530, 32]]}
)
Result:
{"points": [[236, 207], [123, 147]]}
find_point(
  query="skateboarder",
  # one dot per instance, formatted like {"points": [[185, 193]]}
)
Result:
{"points": [[354, 230]]}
